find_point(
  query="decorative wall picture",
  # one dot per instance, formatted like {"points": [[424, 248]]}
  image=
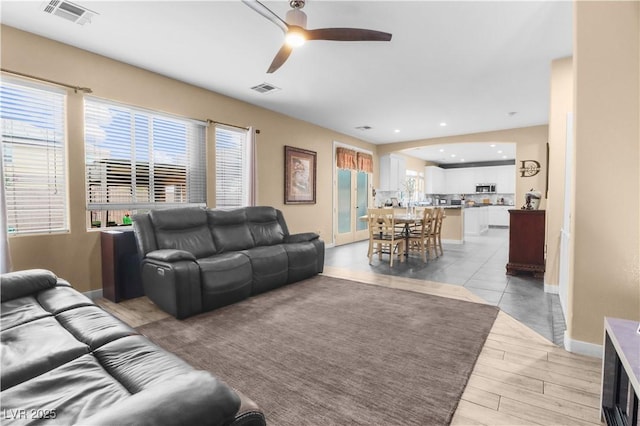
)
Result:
{"points": [[529, 168], [299, 176]]}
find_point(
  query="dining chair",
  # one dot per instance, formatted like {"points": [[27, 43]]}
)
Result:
{"points": [[436, 231], [419, 238], [384, 236]]}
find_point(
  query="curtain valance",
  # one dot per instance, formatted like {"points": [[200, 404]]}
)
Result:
{"points": [[365, 162], [346, 159]]}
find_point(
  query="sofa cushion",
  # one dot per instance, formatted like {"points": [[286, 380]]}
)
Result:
{"points": [[75, 390], [23, 283], [194, 398], [19, 311], [269, 266], [303, 260], [93, 326], [31, 349], [59, 299], [139, 364], [225, 279], [264, 225], [183, 229], [230, 230]]}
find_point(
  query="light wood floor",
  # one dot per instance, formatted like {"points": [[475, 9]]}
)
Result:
{"points": [[520, 378]]}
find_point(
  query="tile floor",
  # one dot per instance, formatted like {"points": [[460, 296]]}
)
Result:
{"points": [[478, 265]]}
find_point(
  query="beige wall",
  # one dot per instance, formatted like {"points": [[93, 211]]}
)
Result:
{"points": [[606, 278], [76, 255], [561, 101], [531, 144], [413, 163]]}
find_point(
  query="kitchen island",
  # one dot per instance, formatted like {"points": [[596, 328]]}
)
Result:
{"points": [[452, 226]]}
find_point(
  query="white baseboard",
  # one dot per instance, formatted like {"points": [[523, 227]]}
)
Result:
{"points": [[582, 348], [552, 289], [93, 294], [453, 241]]}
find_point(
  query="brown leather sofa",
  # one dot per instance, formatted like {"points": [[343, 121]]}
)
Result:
{"points": [[195, 260], [67, 361]]}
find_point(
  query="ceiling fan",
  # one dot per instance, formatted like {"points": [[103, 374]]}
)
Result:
{"points": [[296, 33]]}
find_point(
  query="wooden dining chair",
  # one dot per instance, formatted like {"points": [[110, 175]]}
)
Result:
{"points": [[419, 238], [436, 231], [384, 236]]}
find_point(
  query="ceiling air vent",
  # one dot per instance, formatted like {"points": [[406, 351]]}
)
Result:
{"points": [[265, 88], [363, 128], [69, 11]]}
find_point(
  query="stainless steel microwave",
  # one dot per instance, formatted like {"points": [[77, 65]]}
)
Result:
{"points": [[485, 188]]}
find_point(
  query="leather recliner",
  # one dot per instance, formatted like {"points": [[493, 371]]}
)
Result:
{"points": [[67, 361], [196, 259]]}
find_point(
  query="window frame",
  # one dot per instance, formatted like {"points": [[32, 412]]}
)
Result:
{"points": [[60, 153], [246, 173], [193, 169]]}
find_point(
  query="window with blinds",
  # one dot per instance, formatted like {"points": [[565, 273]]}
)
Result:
{"points": [[140, 160], [33, 156], [232, 167]]}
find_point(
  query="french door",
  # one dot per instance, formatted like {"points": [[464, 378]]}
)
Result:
{"points": [[351, 201]]}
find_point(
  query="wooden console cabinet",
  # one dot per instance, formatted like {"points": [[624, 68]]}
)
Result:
{"points": [[120, 265], [526, 242]]}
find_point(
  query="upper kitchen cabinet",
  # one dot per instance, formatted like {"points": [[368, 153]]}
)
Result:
{"points": [[393, 172], [460, 181], [434, 180], [502, 176]]}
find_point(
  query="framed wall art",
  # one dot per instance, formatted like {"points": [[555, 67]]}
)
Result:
{"points": [[299, 176]]}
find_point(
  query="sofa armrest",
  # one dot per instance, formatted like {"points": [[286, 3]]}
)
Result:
{"points": [[170, 255], [249, 414], [23, 283], [301, 238], [191, 399], [174, 286]]}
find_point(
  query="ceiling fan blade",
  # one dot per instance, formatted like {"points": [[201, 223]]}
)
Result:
{"points": [[347, 34], [267, 13], [280, 58]]}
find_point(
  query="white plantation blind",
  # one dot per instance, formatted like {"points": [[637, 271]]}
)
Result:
{"points": [[233, 174], [140, 159], [33, 155]]}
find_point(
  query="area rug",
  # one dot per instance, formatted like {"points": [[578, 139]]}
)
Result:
{"points": [[327, 351]]}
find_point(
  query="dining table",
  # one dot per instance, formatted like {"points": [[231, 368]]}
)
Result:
{"points": [[406, 219]]}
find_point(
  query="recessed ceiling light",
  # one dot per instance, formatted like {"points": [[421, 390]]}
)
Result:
{"points": [[493, 145], [504, 156], [443, 124], [462, 160], [397, 131], [453, 155], [499, 151], [441, 149]]}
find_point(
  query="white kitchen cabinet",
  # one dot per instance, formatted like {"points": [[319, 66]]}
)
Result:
{"points": [[476, 220], [393, 172], [434, 180], [460, 181], [503, 176], [499, 215]]}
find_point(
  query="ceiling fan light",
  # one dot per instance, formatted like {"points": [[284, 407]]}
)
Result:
{"points": [[294, 37], [297, 18]]}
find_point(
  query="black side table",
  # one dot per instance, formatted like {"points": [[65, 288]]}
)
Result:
{"points": [[120, 265]]}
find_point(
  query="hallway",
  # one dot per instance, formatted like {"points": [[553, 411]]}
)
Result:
{"points": [[479, 266]]}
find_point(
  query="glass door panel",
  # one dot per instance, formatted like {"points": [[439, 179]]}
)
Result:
{"points": [[362, 183], [344, 201]]}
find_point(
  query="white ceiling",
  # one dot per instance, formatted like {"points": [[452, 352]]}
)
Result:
{"points": [[467, 64], [458, 153]]}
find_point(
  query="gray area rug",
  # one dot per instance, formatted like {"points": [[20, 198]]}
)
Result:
{"points": [[328, 351]]}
